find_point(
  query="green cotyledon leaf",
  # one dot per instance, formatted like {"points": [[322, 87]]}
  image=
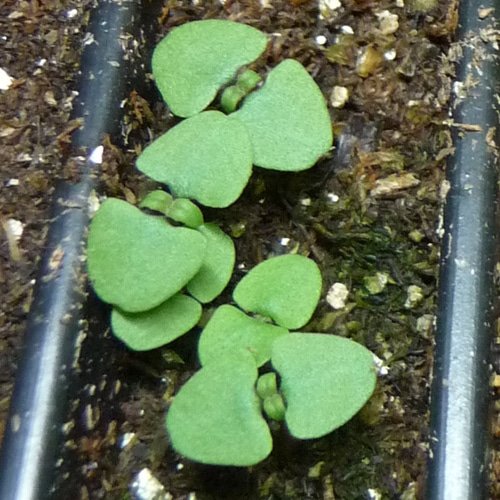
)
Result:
{"points": [[194, 60], [216, 419], [285, 288], [156, 327], [207, 158], [137, 261], [287, 119], [325, 380], [217, 267]]}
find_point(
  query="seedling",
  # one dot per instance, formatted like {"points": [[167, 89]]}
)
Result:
{"points": [[284, 125], [139, 263], [325, 379], [283, 289]]}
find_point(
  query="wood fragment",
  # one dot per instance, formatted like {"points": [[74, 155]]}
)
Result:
{"points": [[468, 127]]}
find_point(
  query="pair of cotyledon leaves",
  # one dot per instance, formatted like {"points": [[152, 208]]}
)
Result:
{"points": [[139, 263], [284, 289], [284, 125], [216, 417]]}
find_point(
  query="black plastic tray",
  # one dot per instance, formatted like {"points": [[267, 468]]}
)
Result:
{"points": [[460, 395], [39, 403], [466, 310]]}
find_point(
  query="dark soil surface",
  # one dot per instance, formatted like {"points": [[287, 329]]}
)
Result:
{"points": [[40, 46], [370, 209]]}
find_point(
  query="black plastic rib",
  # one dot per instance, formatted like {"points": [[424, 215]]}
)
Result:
{"points": [[460, 394], [33, 432]]}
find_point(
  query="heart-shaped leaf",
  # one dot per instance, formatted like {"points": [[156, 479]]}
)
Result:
{"points": [[287, 120], [137, 261], [231, 330], [207, 157], [325, 380], [217, 267], [285, 289], [194, 60], [215, 418], [157, 327]]}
